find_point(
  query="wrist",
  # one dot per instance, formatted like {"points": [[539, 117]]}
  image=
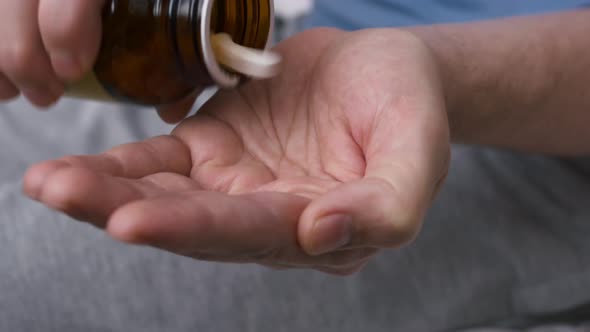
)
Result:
{"points": [[446, 55]]}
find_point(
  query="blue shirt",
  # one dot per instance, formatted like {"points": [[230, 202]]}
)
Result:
{"points": [[356, 14]]}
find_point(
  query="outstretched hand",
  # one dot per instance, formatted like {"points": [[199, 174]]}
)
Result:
{"points": [[321, 167]]}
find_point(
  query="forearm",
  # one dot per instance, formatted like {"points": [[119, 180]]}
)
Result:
{"points": [[520, 83]]}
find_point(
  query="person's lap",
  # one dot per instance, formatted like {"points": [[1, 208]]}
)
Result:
{"points": [[504, 238]]}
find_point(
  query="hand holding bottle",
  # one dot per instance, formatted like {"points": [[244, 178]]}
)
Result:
{"points": [[46, 43], [162, 54]]}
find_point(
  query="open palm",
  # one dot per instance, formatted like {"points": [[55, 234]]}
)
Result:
{"points": [[318, 168]]}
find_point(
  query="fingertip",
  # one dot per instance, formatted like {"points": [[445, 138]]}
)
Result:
{"points": [[125, 224], [327, 234], [65, 186], [42, 101], [174, 113], [36, 176], [170, 117], [326, 223], [44, 96]]}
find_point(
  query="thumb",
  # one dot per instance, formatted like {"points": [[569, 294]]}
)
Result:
{"points": [[367, 213], [383, 210]]}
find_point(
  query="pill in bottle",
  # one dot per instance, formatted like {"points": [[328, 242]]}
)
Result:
{"points": [[158, 52]]}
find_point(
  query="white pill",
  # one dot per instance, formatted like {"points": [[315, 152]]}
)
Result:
{"points": [[250, 62]]}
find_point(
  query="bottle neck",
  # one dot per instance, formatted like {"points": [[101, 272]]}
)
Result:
{"points": [[249, 22]]}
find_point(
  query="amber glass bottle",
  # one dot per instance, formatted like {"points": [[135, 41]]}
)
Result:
{"points": [[156, 52]]}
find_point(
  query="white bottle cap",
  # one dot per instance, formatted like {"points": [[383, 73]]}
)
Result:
{"points": [[250, 62]]}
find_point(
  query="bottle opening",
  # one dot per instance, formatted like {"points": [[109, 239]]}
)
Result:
{"points": [[248, 22], [221, 77]]}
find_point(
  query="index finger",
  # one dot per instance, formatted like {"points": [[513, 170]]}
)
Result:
{"points": [[162, 154], [253, 228], [211, 223], [71, 32]]}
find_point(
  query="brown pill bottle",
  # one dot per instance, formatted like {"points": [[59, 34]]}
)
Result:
{"points": [[156, 52]]}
